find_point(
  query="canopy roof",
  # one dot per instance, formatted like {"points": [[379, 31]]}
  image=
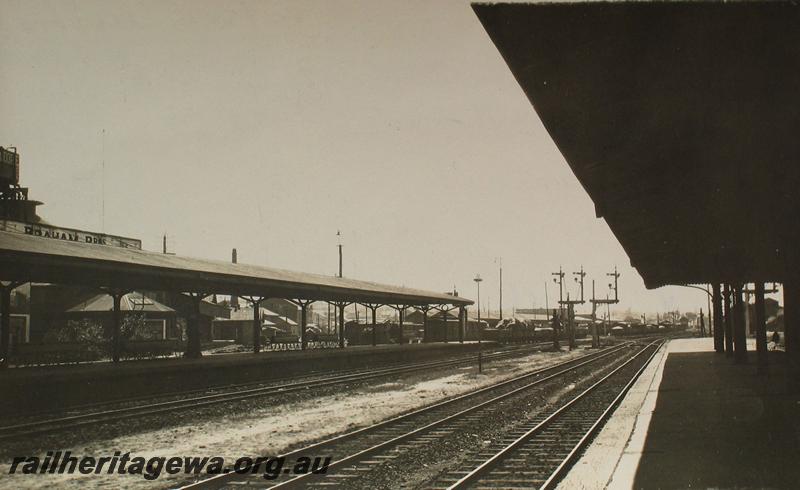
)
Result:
{"points": [[680, 121], [35, 259], [128, 302], [246, 313]]}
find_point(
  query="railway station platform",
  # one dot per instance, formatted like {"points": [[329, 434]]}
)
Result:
{"points": [[696, 420], [51, 387]]}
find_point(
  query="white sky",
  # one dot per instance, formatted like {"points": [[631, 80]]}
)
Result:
{"points": [[267, 126]]}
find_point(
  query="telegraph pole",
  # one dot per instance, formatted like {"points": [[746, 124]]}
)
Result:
{"points": [[499, 261], [607, 302], [560, 281], [339, 310], [579, 280], [339, 237], [571, 307]]}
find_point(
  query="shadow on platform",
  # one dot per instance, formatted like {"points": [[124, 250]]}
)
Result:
{"points": [[719, 425]]}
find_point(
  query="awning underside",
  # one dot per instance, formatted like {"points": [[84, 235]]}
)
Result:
{"points": [[680, 121]]}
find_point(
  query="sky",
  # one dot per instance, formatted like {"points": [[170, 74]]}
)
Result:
{"points": [[270, 126]]}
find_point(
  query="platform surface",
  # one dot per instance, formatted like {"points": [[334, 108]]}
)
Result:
{"points": [[217, 360], [59, 387], [697, 420]]}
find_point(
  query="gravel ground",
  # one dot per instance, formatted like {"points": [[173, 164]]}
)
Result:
{"points": [[105, 430], [230, 388], [258, 426], [433, 459]]}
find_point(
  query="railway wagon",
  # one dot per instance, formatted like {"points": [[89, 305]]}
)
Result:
{"points": [[436, 331], [473, 330], [412, 332], [361, 334], [543, 334], [316, 334], [625, 329], [518, 332], [636, 329]]}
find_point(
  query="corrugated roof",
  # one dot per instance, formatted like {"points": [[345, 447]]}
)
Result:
{"points": [[30, 258]]}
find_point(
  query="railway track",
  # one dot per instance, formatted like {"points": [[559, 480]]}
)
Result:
{"points": [[95, 414], [230, 387], [360, 450], [539, 453]]}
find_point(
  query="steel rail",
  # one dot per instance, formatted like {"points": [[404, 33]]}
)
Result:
{"points": [[587, 437], [113, 415], [220, 480], [486, 467], [233, 386]]}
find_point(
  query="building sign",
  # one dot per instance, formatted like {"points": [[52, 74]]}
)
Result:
{"points": [[69, 234]]}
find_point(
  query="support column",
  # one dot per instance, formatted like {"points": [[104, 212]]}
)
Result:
{"points": [[711, 325], [444, 321], [761, 329], [341, 324], [726, 298], [255, 303], [374, 309], [193, 328], [424, 324], [303, 304], [5, 324], [401, 313], [791, 315], [462, 323], [256, 325], [739, 333], [719, 334], [116, 321], [303, 325]]}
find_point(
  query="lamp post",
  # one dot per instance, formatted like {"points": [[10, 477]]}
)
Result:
{"points": [[480, 334], [499, 261], [478, 283], [339, 238]]}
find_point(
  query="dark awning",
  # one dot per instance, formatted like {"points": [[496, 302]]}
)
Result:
{"points": [[680, 121]]}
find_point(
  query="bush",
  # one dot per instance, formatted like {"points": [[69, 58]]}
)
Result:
{"points": [[76, 331]]}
